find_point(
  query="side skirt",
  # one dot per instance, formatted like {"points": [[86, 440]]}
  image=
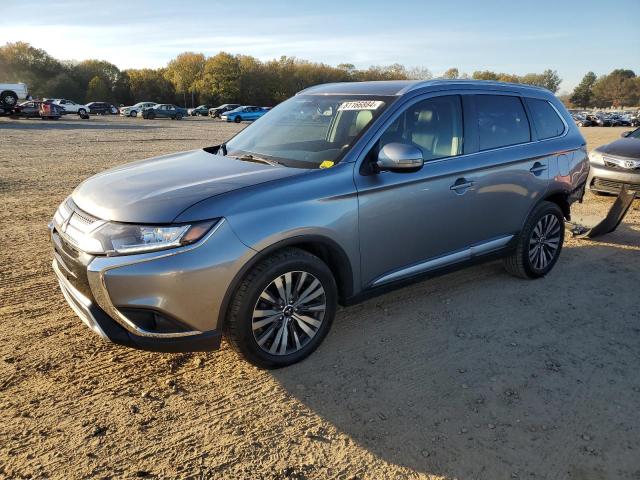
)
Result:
{"points": [[374, 291]]}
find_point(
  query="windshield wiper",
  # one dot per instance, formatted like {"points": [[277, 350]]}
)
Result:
{"points": [[252, 158]]}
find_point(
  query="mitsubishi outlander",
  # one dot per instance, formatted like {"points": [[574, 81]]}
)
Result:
{"points": [[339, 193]]}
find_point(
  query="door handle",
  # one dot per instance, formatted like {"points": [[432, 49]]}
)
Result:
{"points": [[537, 168], [461, 185]]}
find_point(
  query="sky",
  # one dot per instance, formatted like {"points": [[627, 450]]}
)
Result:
{"points": [[519, 37]]}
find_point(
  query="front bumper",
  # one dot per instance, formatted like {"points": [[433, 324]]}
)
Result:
{"points": [[610, 180], [167, 301], [102, 324]]}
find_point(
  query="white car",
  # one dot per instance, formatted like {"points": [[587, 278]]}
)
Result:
{"points": [[134, 110], [71, 107], [10, 93]]}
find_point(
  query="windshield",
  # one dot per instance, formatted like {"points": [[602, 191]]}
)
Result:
{"points": [[634, 134], [309, 130]]}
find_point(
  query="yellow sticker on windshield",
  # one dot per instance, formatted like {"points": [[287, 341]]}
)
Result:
{"points": [[326, 164]]}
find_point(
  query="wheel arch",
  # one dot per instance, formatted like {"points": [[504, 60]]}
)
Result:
{"points": [[322, 247], [560, 198]]}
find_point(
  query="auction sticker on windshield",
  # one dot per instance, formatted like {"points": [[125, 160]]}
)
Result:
{"points": [[361, 105]]}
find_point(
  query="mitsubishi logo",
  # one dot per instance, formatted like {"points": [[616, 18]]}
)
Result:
{"points": [[629, 163]]}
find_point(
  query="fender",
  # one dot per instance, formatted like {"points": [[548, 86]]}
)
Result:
{"points": [[340, 266]]}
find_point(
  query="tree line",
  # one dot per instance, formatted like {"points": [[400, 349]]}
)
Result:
{"points": [[619, 88], [193, 78]]}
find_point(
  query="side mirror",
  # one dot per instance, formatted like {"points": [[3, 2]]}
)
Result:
{"points": [[625, 134], [400, 158]]}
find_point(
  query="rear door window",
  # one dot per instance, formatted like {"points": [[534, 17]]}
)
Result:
{"points": [[502, 121], [545, 118]]}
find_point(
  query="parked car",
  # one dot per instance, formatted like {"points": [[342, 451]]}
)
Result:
{"points": [[615, 164], [101, 108], [620, 121], [217, 111], [134, 110], [241, 114], [45, 109], [11, 93], [69, 106], [586, 121], [602, 121], [382, 183], [164, 110], [199, 111], [28, 109], [50, 110]]}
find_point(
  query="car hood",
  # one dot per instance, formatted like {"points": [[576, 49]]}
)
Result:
{"points": [[158, 189], [624, 147]]}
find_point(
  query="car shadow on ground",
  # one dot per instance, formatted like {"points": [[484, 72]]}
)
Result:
{"points": [[480, 375], [63, 124]]}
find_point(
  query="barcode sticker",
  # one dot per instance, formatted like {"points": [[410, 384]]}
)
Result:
{"points": [[361, 105]]}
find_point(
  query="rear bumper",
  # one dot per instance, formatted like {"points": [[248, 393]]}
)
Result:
{"points": [[103, 325], [610, 180]]}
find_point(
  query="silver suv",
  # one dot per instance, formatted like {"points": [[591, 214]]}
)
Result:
{"points": [[341, 192]]}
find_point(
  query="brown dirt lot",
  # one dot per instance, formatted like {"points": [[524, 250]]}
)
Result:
{"points": [[471, 375]]}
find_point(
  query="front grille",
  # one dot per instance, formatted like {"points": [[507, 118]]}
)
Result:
{"points": [[73, 263], [81, 215], [619, 164], [613, 185]]}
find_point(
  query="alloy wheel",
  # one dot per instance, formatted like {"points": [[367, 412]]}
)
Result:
{"points": [[289, 313], [545, 241]]}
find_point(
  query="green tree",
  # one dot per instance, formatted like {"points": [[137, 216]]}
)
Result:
{"points": [[122, 90], [186, 72], [617, 89], [221, 78], [97, 90], [485, 75], [150, 85], [548, 79], [23, 63], [582, 95]]}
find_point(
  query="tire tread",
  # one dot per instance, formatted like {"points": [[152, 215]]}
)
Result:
{"points": [[514, 262], [233, 320]]}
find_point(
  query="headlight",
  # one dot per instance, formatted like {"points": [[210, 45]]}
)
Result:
{"points": [[125, 239], [596, 157]]}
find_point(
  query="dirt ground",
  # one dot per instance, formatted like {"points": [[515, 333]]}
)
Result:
{"points": [[474, 375]]}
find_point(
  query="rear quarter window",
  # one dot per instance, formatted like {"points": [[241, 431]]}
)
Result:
{"points": [[502, 121], [545, 118]]}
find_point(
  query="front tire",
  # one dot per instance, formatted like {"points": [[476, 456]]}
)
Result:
{"points": [[238, 119], [539, 244], [283, 309], [134, 114]]}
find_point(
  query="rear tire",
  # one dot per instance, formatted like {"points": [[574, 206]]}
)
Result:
{"points": [[282, 309], [178, 116], [539, 244]]}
